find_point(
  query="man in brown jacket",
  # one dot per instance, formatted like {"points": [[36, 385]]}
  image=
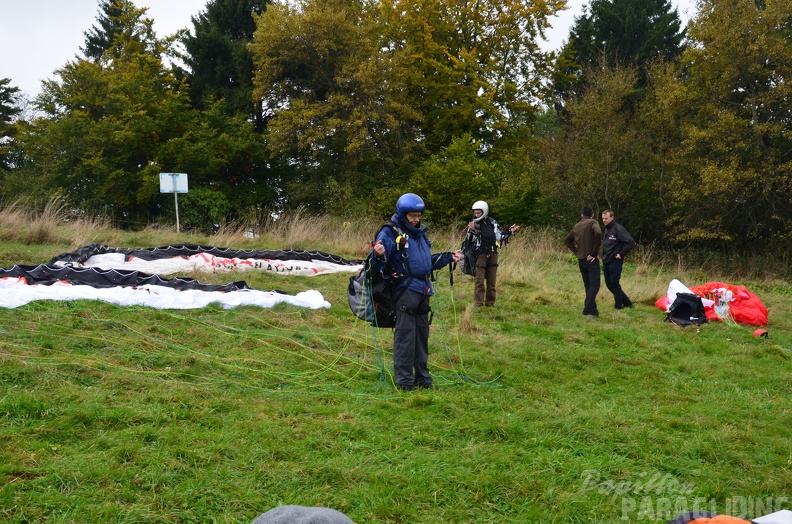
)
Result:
{"points": [[584, 241]]}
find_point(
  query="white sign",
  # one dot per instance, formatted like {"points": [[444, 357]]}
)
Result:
{"points": [[173, 182]]}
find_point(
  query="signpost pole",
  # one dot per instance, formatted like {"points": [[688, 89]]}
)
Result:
{"points": [[174, 183], [176, 197], [176, 200]]}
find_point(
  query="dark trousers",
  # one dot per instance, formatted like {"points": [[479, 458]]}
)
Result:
{"points": [[486, 272], [613, 271], [590, 271], [411, 341]]}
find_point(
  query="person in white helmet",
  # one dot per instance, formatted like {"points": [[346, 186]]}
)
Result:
{"points": [[485, 237]]}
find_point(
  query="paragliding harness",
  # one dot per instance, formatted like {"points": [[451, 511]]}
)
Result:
{"points": [[468, 263], [686, 310], [374, 292]]}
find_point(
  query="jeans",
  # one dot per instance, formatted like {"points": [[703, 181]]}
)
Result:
{"points": [[590, 271]]}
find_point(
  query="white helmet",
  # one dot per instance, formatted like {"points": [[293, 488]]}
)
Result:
{"points": [[484, 210]]}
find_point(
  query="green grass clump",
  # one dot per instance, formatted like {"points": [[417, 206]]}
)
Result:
{"points": [[111, 414]]}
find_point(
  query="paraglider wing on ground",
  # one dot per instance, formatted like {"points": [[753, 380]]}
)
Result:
{"points": [[189, 257], [721, 302]]}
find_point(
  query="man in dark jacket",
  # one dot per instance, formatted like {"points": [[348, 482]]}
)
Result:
{"points": [[616, 245], [584, 241]]}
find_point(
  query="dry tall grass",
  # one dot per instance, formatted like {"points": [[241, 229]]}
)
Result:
{"points": [[54, 224], [299, 230], [535, 259]]}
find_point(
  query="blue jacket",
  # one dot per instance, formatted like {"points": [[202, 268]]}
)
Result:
{"points": [[419, 261]]}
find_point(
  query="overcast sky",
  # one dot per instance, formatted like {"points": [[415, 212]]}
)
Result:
{"points": [[39, 36]]}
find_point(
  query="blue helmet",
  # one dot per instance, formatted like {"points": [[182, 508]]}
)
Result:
{"points": [[407, 203]]}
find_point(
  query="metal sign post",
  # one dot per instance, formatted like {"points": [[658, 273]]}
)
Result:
{"points": [[174, 183], [176, 201]]}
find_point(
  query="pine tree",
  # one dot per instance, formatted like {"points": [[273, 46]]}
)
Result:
{"points": [[621, 33], [8, 111], [729, 103], [100, 39], [218, 58]]}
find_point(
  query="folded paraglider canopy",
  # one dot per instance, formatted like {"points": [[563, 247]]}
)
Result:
{"points": [[722, 302], [705, 517]]}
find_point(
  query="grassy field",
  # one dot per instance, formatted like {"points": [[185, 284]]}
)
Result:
{"points": [[111, 414]]}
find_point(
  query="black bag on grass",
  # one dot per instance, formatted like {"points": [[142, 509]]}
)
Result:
{"points": [[686, 310]]}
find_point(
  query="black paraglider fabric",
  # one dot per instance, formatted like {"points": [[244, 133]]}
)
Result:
{"points": [[187, 250], [99, 278]]}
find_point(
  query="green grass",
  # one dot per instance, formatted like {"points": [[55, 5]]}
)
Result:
{"points": [[111, 414]]}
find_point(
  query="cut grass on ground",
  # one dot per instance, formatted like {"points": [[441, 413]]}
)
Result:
{"points": [[112, 414]]}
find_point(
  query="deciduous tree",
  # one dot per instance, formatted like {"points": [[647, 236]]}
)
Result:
{"points": [[455, 178], [733, 178], [360, 92], [336, 108], [111, 126], [104, 121], [476, 67], [601, 157]]}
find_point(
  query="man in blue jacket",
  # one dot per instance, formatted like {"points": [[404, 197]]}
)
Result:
{"points": [[408, 253], [616, 244]]}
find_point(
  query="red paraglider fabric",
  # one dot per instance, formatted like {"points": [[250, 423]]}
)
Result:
{"points": [[743, 306]]}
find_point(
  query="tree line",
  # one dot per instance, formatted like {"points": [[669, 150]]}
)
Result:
{"points": [[339, 106]]}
